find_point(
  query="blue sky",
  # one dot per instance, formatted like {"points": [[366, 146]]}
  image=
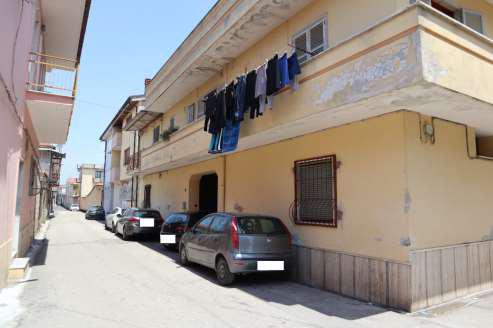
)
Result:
{"points": [[126, 42]]}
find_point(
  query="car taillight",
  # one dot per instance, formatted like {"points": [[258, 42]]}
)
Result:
{"points": [[133, 220], [235, 241]]}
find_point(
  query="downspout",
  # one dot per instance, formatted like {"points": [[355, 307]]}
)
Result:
{"points": [[224, 183], [484, 158], [137, 178], [104, 172], [133, 168]]}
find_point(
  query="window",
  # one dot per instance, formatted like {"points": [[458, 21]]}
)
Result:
{"points": [[219, 224], [311, 41], [126, 156], [467, 17], [172, 123], [472, 19], [190, 112], [253, 225], [315, 191], [155, 134], [99, 174], [203, 226], [200, 109], [147, 196]]}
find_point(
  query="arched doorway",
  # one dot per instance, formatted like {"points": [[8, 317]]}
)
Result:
{"points": [[208, 193]]}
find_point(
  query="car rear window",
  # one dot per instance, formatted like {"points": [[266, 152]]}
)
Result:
{"points": [[147, 214], [260, 226]]}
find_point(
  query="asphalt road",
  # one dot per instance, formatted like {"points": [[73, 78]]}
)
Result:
{"points": [[88, 277]]}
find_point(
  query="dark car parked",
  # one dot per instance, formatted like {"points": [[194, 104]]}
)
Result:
{"points": [[135, 221], [176, 224], [95, 212], [238, 243]]}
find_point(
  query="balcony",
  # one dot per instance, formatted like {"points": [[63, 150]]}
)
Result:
{"points": [[418, 59], [51, 88], [133, 163], [116, 140]]}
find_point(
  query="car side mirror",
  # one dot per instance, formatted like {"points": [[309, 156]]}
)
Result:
{"points": [[118, 215]]}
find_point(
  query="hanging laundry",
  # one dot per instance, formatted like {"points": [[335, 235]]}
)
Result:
{"points": [[251, 102], [210, 109], [272, 75], [229, 101], [261, 87], [294, 71], [219, 115], [240, 87], [284, 72], [230, 135]]}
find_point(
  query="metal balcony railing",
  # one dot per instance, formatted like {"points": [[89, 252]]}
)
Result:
{"points": [[53, 75]]}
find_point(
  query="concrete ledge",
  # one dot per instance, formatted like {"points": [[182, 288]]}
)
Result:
{"points": [[18, 268]]}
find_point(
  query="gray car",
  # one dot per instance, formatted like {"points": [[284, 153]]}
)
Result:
{"points": [[136, 221], [237, 244]]}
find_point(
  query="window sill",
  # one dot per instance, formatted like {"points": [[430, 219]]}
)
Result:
{"points": [[315, 223]]}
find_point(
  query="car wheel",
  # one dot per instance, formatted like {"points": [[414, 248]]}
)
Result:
{"points": [[183, 256], [113, 228], [224, 276], [125, 236]]}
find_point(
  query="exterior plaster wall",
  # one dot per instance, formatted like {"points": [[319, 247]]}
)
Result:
{"points": [[449, 202], [93, 198], [14, 146], [371, 185]]}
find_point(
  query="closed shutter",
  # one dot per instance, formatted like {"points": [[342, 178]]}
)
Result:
{"points": [[316, 191]]}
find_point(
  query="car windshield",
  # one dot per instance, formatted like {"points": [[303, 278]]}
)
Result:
{"points": [[260, 226], [147, 214], [95, 208]]}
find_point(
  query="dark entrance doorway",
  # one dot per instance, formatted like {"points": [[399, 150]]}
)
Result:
{"points": [[208, 193]]}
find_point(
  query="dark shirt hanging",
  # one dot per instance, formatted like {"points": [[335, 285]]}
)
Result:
{"points": [[250, 100], [273, 79], [219, 116], [293, 66], [240, 87], [230, 101], [210, 109]]}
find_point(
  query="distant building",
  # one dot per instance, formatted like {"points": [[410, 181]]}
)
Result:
{"points": [[91, 185], [122, 157], [72, 192]]}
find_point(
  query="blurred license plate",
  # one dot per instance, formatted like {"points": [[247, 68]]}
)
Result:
{"points": [[168, 239], [270, 265], [146, 223]]}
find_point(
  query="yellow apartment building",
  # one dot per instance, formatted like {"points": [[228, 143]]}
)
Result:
{"points": [[380, 163], [121, 139]]}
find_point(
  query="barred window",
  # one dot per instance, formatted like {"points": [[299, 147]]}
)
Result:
{"points": [[315, 188]]}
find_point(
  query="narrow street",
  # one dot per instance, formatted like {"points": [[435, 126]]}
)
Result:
{"points": [[87, 277]]}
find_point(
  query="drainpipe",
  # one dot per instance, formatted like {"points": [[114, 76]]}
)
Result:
{"points": [[484, 158], [104, 172], [224, 183]]}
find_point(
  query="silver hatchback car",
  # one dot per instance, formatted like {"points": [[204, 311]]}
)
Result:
{"points": [[238, 243]]}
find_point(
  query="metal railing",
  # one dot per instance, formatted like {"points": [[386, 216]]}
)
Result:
{"points": [[134, 162], [53, 75]]}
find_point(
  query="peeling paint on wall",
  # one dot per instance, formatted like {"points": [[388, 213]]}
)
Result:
{"points": [[374, 73]]}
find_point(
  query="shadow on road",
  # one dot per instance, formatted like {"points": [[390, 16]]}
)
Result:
{"points": [[270, 288]]}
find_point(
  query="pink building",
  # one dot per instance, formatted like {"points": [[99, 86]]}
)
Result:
{"points": [[39, 61]]}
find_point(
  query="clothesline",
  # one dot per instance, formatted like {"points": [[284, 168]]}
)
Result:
{"points": [[252, 92]]}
